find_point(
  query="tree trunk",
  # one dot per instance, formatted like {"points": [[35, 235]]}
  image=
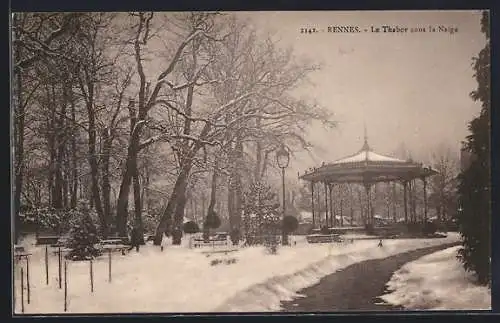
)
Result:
{"points": [[230, 202], [94, 167], [166, 221], [74, 187], [58, 180], [258, 162], [19, 149], [179, 212], [238, 189], [52, 141], [106, 185], [138, 208], [123, 195], [213, 197]]}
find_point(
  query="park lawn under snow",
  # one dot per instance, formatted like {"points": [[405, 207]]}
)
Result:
{"points": [[437, 282], [180, 279]]}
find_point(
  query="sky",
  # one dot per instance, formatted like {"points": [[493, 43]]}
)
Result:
{"points": [[409, 89]]}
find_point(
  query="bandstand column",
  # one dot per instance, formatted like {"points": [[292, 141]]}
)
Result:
{"points": [[326, 204], [312, 205], [425, 198], [332, 213], [368, 203], [405, 199]]}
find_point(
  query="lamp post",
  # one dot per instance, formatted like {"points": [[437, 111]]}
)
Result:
{"points": [[283, 158]]}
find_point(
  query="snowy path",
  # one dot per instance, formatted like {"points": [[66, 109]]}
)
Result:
{"points": [[438, 282], [180, 279], [356, 287]]}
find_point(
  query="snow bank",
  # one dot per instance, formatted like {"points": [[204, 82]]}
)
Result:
{"points": [[437, 282], [266, 296], [180, 279]]}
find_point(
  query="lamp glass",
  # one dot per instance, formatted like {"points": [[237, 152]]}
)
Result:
{"points": [[282, 157]]}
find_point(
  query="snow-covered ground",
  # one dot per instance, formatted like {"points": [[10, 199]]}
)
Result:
{"points": [[437, 282], [180, 279]]}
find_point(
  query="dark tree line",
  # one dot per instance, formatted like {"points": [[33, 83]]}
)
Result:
{"points": [[474, 217]]}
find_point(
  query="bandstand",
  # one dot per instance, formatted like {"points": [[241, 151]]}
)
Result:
{"points": [[367, 168]]}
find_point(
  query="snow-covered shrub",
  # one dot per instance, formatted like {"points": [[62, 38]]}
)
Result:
{"points": [[59, 221], [176, 236], [324, 230], [429, 228], [261, 220], [290, 224], [83, 237], [212, 221], [235, 236], [45, 217], [215, 262], [150, 220], [191, 227]]}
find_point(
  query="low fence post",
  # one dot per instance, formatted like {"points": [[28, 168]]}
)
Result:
{"points": [[46, 265], [91, 277], [59, 259], [28, 277], [65, 286], [22, 290], [109, 266]]}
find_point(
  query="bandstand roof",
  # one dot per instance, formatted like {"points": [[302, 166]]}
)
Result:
{"points": [[367, 166]]}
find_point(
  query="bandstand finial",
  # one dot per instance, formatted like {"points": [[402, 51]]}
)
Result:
{"points": [[366, 147]]}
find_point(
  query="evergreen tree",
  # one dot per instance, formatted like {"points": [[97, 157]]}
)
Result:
{"points": [[83, 237], [261, 216], [475, 181]]}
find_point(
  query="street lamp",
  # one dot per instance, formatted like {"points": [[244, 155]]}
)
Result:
{"points": [[283, 158]]}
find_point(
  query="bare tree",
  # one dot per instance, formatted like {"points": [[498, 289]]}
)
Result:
{"points": [[443, 185]]}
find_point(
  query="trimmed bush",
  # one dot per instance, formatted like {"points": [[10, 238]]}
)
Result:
{"points": [[176, 236], [212, 221], [429, 228], [191, 227], [235, 236], [324, 230], [290, 224], [369, 228]]}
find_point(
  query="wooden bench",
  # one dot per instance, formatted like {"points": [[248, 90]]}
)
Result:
{"points": [[227, 251], [61, 249], [114, 247], [115, 240], [149, 237], [210, 243], [47, 240], [323, 238], [20, 255]]}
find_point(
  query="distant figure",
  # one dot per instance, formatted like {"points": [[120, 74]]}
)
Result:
{"points": [[134, 239], [380, 243]]}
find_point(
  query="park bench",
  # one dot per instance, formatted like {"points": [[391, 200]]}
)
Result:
{"points": [[114, 247], [20, 255], [223, 251], [323, 238], [47, 240], [114, 244], [149, 237], [200, 242]]}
